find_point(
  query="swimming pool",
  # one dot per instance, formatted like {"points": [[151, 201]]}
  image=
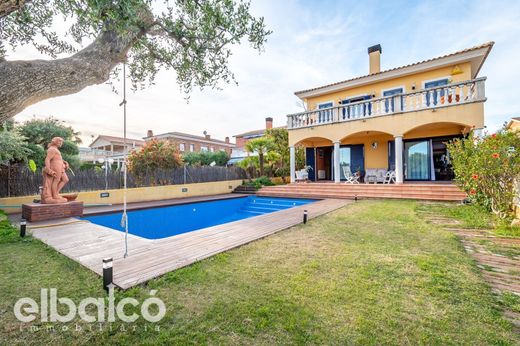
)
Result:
{"points": [[162, 222]]}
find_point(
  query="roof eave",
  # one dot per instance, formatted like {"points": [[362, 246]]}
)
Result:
{"points": [[482, 52]]}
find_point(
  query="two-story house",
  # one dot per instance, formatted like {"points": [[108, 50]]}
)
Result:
{"points": [[193, 143], [398, 119], [239, 152], [109, 148]]}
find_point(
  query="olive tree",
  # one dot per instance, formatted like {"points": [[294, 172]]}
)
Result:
{"points": [[191, 37]]}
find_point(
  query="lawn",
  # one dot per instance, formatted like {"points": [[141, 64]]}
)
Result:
{"points": [[373, 272]]}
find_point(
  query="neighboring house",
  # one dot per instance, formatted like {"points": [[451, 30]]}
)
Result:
{"points": [[239, 152], [108, 147], [398, 119], [192, 143], [514, 124], [243, 138]]}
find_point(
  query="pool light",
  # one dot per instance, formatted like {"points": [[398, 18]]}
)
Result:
{"points": [[305, 216]]}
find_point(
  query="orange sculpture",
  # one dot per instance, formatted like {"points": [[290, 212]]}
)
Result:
{"points": [[54, 176]]}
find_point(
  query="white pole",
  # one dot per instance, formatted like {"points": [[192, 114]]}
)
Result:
{"points": [[399, 171], [292, 162], [124, 219], [337, 174]]}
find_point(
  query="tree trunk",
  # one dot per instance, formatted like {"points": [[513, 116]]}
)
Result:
{"points": [[8, 6], [261, 163], [23, 83]]}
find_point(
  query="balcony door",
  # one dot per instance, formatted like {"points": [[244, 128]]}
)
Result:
{"points": [[417, 159], [390, 103], [436, 95]]}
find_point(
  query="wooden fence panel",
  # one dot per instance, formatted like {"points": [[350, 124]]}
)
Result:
{"points": [[20, 181]]}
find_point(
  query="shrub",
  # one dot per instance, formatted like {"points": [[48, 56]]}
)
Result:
{"points": [[259, 182], [487, 169], [205, 158], [153, 156]]}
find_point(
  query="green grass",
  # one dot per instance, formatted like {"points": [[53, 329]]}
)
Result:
{"points": [[472, 216], [371, 273]]}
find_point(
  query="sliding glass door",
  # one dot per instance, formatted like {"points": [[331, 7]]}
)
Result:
{"points": [[417, 160]]}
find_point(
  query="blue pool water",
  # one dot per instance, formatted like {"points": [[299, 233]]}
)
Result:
{"points": [[162, 222]]}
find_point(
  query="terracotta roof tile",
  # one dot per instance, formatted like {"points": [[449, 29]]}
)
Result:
{"points": [[257, 132], [119, 139], [195, 137]]}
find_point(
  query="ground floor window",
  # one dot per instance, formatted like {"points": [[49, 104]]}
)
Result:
{"points": [[417, 160], [442, 168], [427, 159]]}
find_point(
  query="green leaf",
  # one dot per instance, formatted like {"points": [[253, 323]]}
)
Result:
{"points": [[32, 165]]}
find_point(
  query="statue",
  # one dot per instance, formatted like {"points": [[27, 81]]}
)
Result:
{"points": [[54, 176]]}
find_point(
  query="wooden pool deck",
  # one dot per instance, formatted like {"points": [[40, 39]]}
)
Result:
{"points": [[88, 243]]}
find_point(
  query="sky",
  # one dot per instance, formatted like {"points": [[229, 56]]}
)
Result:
{"points": [[313, 43]]}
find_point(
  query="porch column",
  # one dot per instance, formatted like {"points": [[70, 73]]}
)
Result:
{"points": [[292, 163], [398, 159], [337, 174]]}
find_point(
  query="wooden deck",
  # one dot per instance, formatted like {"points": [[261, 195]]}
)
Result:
{"points": [[88, 243]]}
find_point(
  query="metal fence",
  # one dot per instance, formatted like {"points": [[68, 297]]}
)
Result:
{"points": [[20, 181]]}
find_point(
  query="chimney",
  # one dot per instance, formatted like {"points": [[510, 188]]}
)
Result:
{"points": [[207, 136], [268, 123], [149, 133], [374, 57], [227, 140]]}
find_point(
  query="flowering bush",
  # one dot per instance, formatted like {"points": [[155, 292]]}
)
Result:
{"points": [[487, 169], [153, 156]]}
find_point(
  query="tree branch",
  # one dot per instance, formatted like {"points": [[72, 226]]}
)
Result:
{"points": [[24, 83], [9, 6]]}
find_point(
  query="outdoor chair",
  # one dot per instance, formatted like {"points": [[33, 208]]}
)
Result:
{"points": [[389, 177], [350, 178], [301, 176]]}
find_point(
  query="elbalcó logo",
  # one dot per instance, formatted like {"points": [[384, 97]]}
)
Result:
{"points": [[27, 309]]}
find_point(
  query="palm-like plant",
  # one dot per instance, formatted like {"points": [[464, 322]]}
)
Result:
{"points": [[261, 146]]}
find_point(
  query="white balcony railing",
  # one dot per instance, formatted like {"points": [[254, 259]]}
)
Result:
{"points": [[444, 96]]}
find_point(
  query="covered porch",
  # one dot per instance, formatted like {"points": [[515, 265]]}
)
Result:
{"points": [[418, 155]]}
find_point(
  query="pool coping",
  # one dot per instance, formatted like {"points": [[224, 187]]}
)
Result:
{"points": [[101, 210], [183, 202], [88, 243]]}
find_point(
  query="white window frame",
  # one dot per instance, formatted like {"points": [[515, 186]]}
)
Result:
{"points": [[182, 146], [322, 103], [396, 87], [192, 147], [434, 80], [203, 148], [212, 149], [353, 97]]}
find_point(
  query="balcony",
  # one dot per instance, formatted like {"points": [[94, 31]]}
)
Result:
{"points": [[444, 96]]}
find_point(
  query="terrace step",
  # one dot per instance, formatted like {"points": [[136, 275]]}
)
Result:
{"points": [[245, 189], [442, 192]]}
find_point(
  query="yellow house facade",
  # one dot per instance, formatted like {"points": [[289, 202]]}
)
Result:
{"points": [[514, 124], [396, 120]]}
